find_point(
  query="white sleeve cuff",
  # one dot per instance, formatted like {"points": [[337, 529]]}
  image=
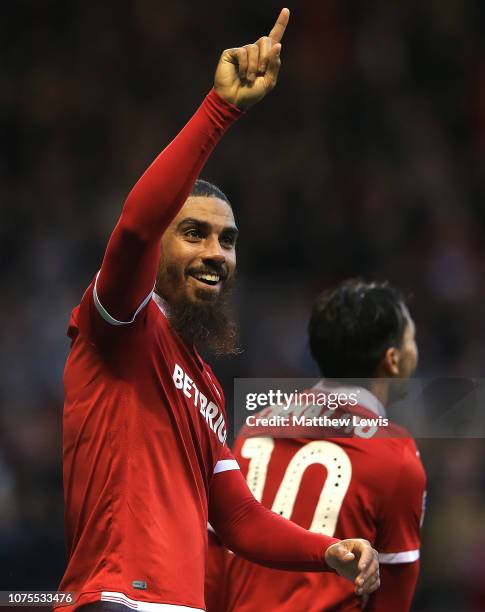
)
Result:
{"points": [[409, 556]]}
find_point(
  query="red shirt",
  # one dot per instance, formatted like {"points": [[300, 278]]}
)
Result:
{"points": [[341, 487], [144, 422], [144, 429]]}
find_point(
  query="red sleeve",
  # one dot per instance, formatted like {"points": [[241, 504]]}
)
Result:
{"points": [[401, 511], [398, 583], [227, 459], [129, 267], [259, 535]]}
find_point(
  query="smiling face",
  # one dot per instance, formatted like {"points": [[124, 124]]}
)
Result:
{"points": [[198, 252], [197, 267]]}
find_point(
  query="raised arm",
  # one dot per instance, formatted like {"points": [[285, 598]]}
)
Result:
{"points": [[243, 77]]}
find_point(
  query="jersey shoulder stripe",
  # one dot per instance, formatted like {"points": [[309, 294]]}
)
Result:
{"points": [[105, 314]]}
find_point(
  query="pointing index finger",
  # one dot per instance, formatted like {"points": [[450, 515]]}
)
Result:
{"points": [[279, 27]]}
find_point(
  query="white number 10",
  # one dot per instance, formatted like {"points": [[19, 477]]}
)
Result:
{"points": [[328, 454]]}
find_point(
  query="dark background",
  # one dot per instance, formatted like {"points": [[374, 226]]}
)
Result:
{"points": [[366, 160]]}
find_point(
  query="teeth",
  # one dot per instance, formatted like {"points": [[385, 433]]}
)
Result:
{"points": [[213, 278]]}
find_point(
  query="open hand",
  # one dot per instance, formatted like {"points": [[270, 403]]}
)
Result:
{"points": [[246, 74]]}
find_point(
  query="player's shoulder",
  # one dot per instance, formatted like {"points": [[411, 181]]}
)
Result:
{"points": [[80, 319], [397, 447], [403, 447], [89, 322], [400, 457], [386, 456]]}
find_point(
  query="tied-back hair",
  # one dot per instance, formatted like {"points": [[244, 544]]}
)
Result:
{"points": [[353, 325], [205, 189]]}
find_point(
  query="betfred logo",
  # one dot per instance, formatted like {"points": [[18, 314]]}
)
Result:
{"points": [[208, 410]]}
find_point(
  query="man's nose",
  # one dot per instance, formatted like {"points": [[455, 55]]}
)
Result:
{"points": [[214, 251]]}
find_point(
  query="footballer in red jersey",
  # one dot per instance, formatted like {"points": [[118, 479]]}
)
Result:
{"points": [[362, 479], [145, 457]]}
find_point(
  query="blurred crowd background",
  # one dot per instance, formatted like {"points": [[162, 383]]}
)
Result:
{"points": [[368, 159]]}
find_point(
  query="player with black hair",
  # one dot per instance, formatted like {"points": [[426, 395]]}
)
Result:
{"points": [[352, 326], [145, 455], [336, 481], [205, 189]]}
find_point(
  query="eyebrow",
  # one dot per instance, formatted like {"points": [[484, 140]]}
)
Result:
{"points": [[204, 225]]}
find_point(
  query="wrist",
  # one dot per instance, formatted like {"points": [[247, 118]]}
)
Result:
{"points": [[225, 102], [326, 555], [221, 112]]}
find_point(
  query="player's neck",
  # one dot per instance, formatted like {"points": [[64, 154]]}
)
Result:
{"points": [[380, 389]]}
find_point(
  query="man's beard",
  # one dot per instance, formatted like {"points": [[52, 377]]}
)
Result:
{"points": [[208, 324]]}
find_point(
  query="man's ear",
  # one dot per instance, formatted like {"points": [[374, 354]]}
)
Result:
{"points": [[390, 362]]}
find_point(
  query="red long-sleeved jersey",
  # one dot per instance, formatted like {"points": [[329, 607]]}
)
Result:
{"points": [[145, 424], [373, 487]]}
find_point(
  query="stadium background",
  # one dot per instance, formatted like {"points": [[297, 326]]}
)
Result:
{"points": [[367, 160]]}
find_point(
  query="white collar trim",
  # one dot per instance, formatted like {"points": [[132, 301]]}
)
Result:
{"points": [[366, 399], [160, 302]]}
